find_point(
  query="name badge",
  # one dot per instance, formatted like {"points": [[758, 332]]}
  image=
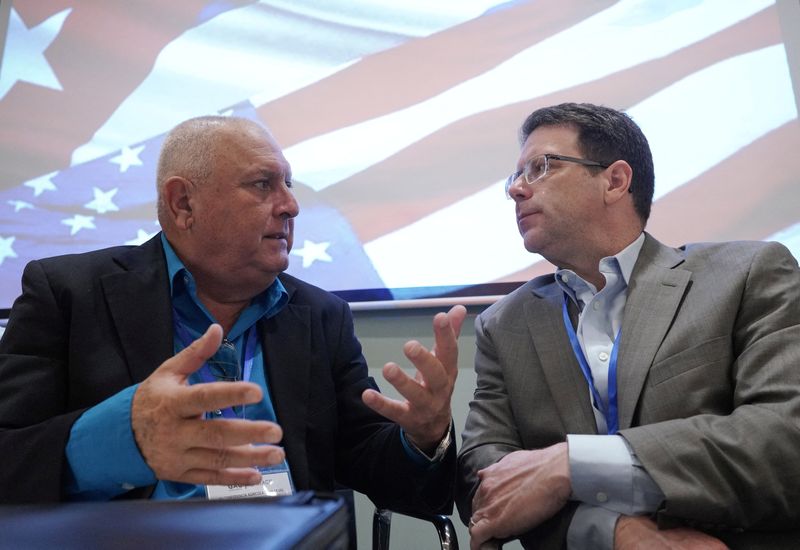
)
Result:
{"points": [[275, 482]]}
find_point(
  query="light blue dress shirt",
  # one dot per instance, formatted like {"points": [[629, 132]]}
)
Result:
{"points": [[606, 476]]}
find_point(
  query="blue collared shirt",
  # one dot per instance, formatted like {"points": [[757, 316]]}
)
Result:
{"points": [[102, 455]]}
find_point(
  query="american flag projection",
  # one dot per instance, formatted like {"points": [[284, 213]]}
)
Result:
{"points": [[399, 119]]}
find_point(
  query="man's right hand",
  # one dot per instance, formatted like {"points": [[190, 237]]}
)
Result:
{"points": [[179, 444], [642, 533]]}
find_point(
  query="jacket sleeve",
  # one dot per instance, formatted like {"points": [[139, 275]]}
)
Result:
{"points": [[370, 455], [34, 419]]}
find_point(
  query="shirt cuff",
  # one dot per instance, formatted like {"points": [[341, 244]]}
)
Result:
{"points": [[601, 470], [421, 458], [592, 527], [102, 454], [606, 472]]}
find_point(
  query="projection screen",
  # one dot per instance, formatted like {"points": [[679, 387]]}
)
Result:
{"points": [[400, 121]]}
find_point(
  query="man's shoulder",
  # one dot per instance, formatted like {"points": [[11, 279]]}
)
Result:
{"points": [[537, 290], [83, 258], [733, 253], [92, 262]]}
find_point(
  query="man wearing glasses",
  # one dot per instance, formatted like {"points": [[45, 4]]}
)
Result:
{"points": [[641, 396], [192, 366]]}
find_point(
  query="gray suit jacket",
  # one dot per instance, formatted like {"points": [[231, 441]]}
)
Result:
{"points": [[708, 388]]}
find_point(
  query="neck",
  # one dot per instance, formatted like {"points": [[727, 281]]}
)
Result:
{"points": [[588, 268], [226, 313]]}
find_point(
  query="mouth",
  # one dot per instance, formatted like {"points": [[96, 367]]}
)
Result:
{"points": [[522, 215], [277, 236]]}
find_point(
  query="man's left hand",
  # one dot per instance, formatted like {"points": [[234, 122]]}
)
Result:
{"points": [[519, 492], [425, 413]]}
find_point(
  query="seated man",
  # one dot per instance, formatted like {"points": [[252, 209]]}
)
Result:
{"points": [[642, 396], [191, 365]]}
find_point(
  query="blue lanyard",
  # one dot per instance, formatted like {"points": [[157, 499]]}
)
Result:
{"points": [[611, 415], [205, 370]]}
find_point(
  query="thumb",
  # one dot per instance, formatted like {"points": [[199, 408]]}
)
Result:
{"points": [[193, 356]]}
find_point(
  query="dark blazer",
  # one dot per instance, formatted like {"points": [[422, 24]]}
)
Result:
{"points": [[89, 325], [708, 386]]}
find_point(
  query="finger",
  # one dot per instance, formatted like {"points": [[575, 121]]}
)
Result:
{"points": [[242, 456], [223, 432], [480, 532], [232, 476], [456, 316], [193, 356], [211, 396], [390, 408], [431, 371], [446, 328]]}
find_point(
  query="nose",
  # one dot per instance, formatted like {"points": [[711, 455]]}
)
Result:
{"points": [[520, 190], [287, 203]]}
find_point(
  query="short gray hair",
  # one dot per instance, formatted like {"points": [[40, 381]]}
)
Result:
{"points": [[188, 150]]}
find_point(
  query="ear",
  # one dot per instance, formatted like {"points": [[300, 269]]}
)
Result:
{"points": [[178, 199], [620, 175]]}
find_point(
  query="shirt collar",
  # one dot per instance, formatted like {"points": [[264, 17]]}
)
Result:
{"points": [[183, 291], [627, 257], [622, 262]]}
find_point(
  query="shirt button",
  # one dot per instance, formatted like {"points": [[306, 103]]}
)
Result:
{"points": [[601, 497], [603, 356], [597, 304], [565, 278]]}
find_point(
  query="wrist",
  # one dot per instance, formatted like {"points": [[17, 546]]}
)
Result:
{"points": [[433, 451]]}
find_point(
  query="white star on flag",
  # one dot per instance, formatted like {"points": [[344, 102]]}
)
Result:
{"points": [[19, 205], [5, 249], [78, 222], [102, 202], [312, 252], [41, 184], [24, 58], [142, 236], [128, 157]]}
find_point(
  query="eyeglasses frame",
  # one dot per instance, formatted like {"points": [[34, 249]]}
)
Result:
{"points": [[547, 157]]}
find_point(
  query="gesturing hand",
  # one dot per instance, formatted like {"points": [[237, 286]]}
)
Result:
{"points": [[425, 413], [519, 492], [175, 440]]}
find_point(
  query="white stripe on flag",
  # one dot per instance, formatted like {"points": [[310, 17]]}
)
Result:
{"points": [[562, 61], [441, 249], [442, 245]]}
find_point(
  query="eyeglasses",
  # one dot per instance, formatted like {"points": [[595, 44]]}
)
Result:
{"points": [[224, 364], [537, 167]]}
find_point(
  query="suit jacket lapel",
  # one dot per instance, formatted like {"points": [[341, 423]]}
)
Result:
{"points": [[139, 303], [561, 369], [654, 298], [287, 351]]}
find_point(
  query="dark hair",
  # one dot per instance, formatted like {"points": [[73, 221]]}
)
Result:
{"points": [[605, 135]]}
